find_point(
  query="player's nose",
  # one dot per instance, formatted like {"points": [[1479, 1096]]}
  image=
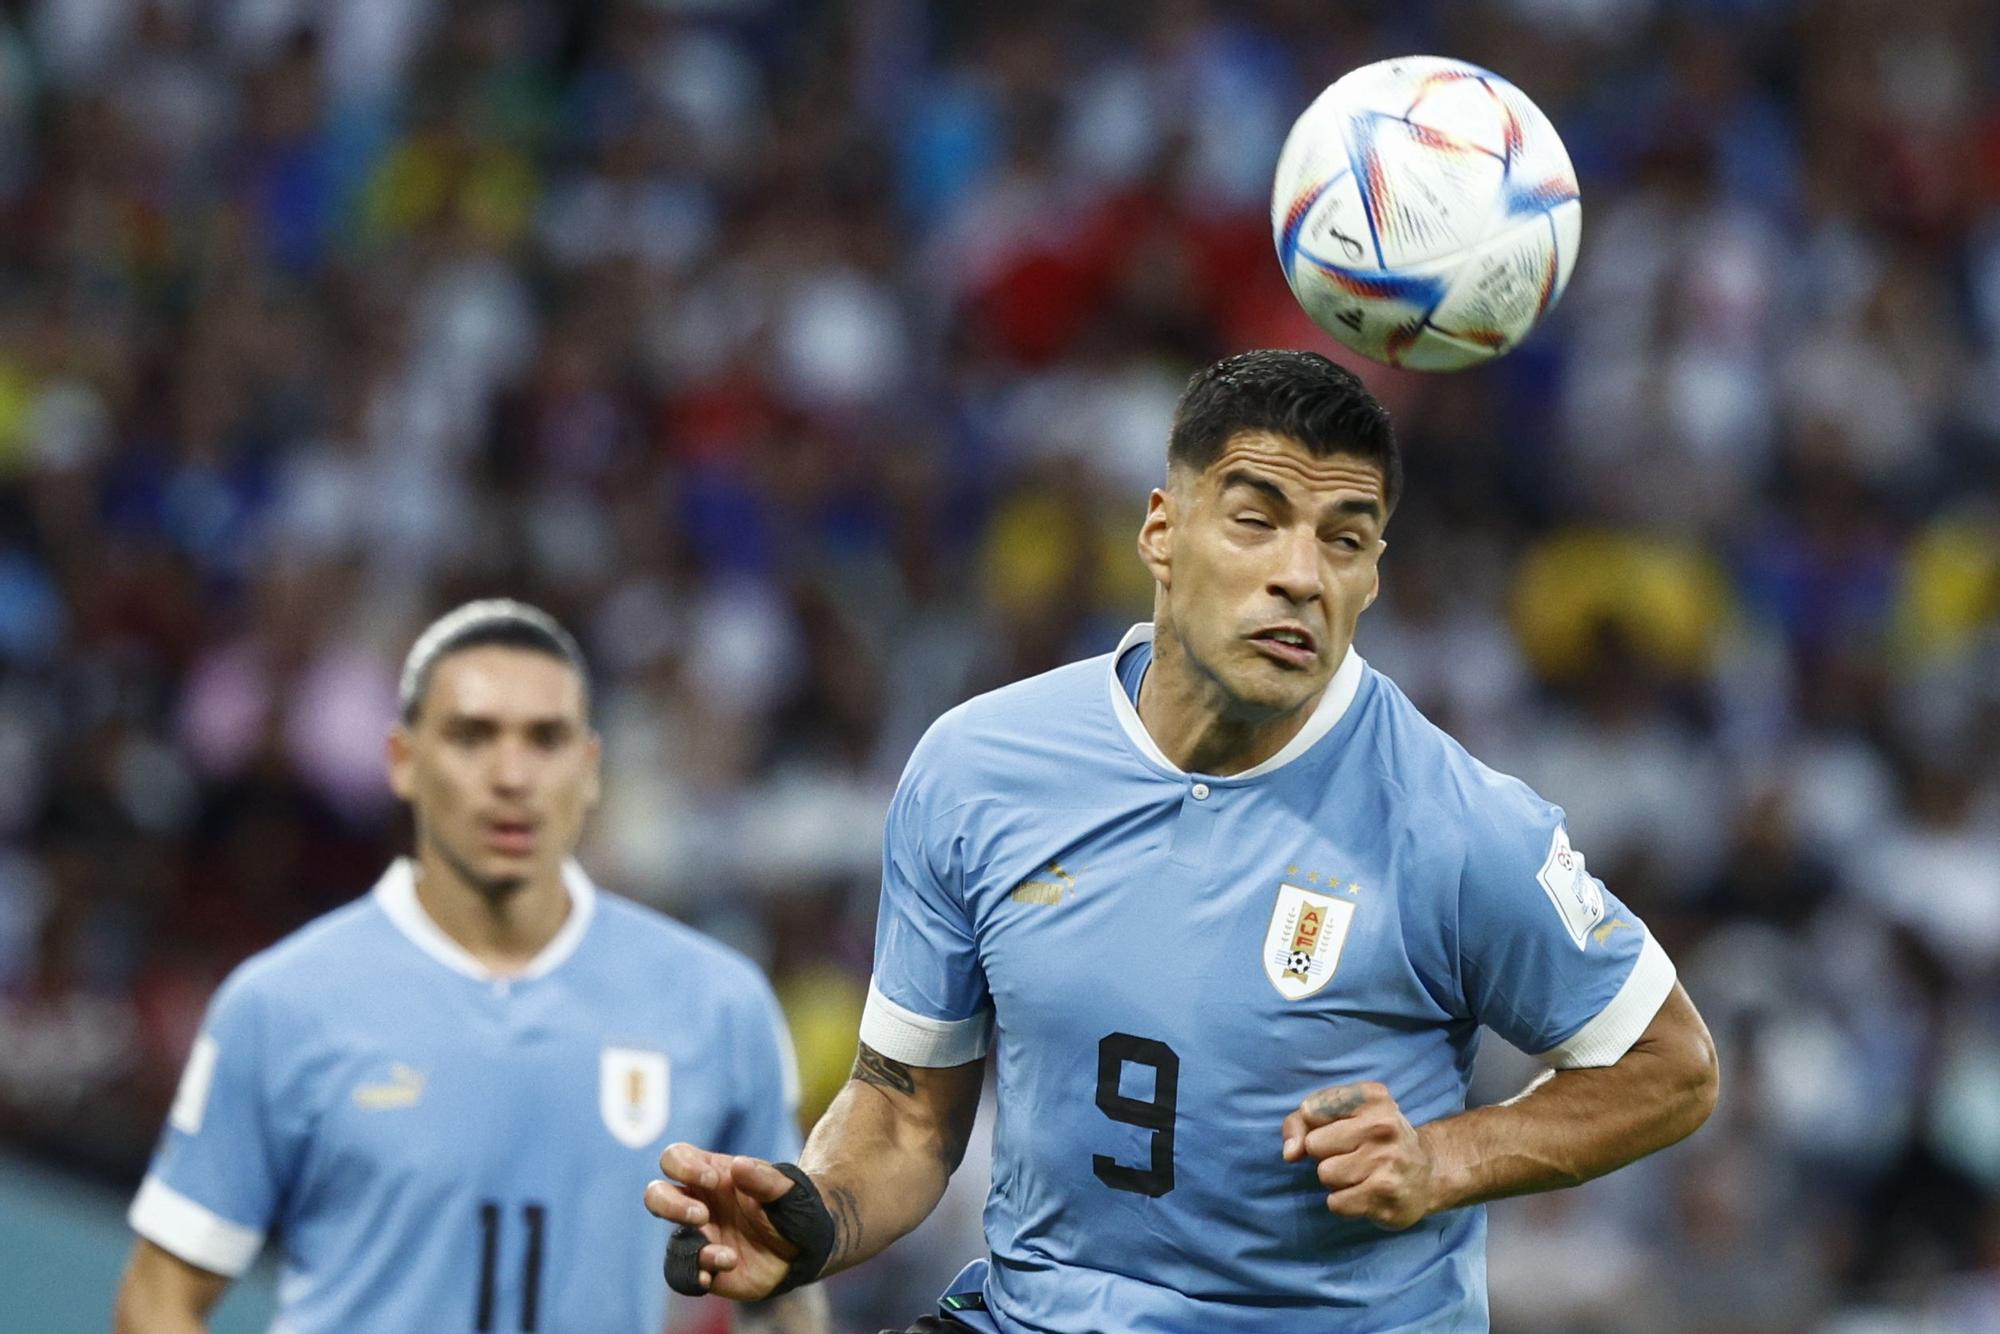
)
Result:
{"points": [[511, 766], [1296, 576]]}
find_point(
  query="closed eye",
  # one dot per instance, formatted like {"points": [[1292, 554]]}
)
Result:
{"points": [[549, 736], [469, 731], [1253, 520]]}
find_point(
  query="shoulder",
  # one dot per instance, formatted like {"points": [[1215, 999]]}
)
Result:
{"points": [[694, 980], [1439, 775], [1045, 714], [291, 987], [654, 941], [333, 945], [1052, 698]]}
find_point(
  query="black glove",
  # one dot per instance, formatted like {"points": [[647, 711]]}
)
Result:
{"points": [[800, 1217]]}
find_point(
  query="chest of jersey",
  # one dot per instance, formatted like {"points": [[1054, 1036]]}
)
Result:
{"points": [[1174, 962], [1172, 976], [489, 1143], [522, 1068], [1260, 922]]}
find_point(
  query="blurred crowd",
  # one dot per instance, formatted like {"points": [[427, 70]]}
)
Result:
{"points": [[812, 361]]}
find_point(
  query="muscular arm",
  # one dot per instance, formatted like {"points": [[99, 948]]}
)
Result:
{"points": [[164, 1294], [1563, 1129], [1571, 1125], [882, 1153]]}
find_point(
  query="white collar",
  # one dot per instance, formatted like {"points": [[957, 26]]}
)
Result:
{"points": [[1332, 707], [396, 892]]}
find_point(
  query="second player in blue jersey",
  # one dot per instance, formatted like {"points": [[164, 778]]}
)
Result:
{"points": [[435, 1096]]}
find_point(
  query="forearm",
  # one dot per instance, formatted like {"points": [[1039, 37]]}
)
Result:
{"points": [[1572, 1125], [800, 1312], [163, 1294], [885, 1149], [131, 1318]]}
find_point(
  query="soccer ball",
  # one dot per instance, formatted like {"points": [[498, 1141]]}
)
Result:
{"points": [[1426, 213]]}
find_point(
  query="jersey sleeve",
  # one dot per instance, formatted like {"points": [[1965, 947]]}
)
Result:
{"points": [[765, 1121], [213, 1186], [927, 1003], [1548, 957]]}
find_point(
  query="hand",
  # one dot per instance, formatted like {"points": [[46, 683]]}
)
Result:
{"points": [[725, 1196], [1370, 1158]]}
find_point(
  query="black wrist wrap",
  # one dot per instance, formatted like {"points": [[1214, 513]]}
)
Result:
{"points": [[800, 1217]]}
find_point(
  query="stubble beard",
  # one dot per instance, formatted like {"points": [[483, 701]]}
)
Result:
{"points": [[1253, 690], [496, 890]]}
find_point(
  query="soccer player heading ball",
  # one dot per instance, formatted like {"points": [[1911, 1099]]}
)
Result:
{"points": [[1230, 912]]}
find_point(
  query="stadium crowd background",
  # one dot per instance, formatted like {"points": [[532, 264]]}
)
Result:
{"points": [[812, 361]]}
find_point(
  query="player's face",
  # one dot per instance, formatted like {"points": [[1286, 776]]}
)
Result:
{"points": [[1265, 560], [500, 766]]}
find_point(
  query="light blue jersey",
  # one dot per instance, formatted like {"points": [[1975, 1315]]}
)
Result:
{"points": [[1167, 963], [441, 1150]]}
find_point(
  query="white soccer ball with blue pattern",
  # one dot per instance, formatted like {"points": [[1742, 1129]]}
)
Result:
{"points": [[1426, 213]]}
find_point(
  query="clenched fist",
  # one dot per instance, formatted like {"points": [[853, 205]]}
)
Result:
{"points": [[1371, 1160]]}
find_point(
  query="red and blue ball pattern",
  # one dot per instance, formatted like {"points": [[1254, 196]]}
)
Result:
{"points": [[1426, 213]]}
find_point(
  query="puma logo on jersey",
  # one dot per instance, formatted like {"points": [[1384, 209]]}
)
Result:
{"points": [[1603, 933], [1033, 890], [403, 1088]]}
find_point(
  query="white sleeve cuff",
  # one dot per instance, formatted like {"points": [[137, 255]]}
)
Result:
{"points": [[1618, 1025], [913, 1039], [173, 1222]]}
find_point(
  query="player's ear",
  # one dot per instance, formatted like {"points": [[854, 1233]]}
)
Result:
{"points": [[593, 769], [402, 761], [1156, 535], [1375, 575]]}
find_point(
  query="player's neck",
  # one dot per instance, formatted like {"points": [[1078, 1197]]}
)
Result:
{"points": [[1194, 723], [502, 932]]}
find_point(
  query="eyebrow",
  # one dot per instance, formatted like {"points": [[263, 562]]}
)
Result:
{"points": [[1274, 493], [1270, 490], [494, 721]]}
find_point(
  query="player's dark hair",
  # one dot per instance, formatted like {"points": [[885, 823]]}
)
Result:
{"points": [[1301, 395], [486, 623]]}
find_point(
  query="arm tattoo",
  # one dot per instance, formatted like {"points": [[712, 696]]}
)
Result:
{"points": [[846, 1211], [872, 1067]]}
